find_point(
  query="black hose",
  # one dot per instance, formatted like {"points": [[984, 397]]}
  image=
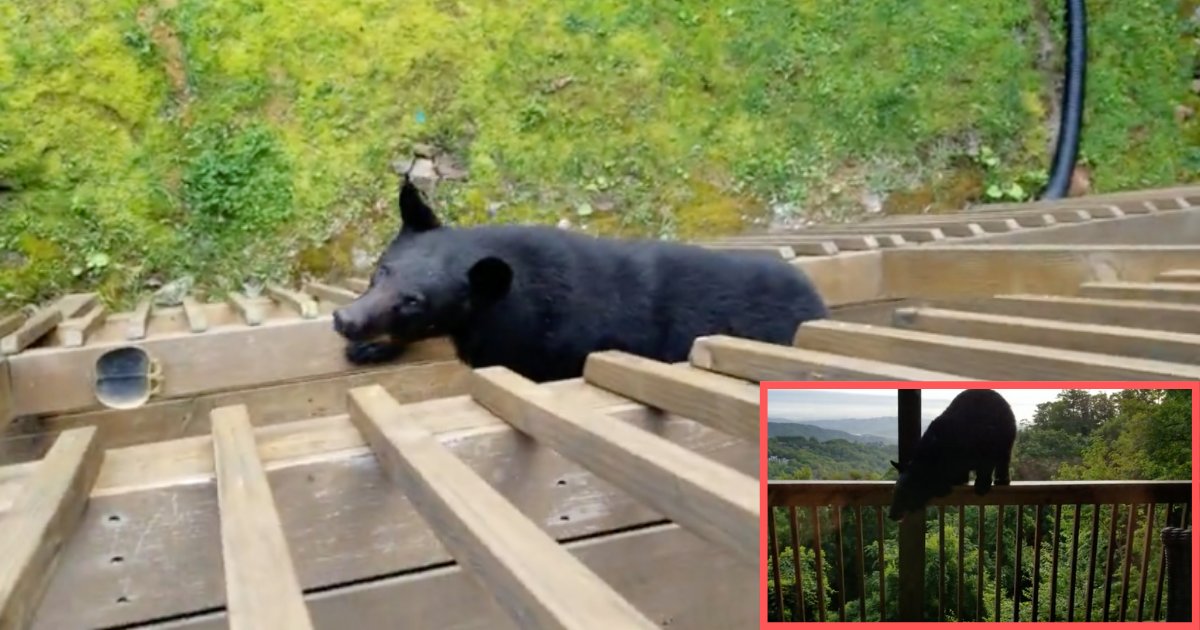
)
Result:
{"points": [[1067, 148]]}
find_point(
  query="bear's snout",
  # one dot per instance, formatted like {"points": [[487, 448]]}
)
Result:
{"points": [[344, 325]]}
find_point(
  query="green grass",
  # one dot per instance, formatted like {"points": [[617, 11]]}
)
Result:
{"points": [[255, 142]]}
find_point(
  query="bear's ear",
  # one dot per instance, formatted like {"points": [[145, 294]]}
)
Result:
{"points": [[415, 214], [490, 280], [899, 467]]}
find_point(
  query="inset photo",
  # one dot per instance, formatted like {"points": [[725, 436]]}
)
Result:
{"points": [[979, 501]]}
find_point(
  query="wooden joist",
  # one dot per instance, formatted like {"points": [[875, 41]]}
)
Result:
{"points": [[11, 322], [1131, 313], [1179, 275], [295, 300], [980, 358], [31, 330], [139, 320], [1177, 292], [330, 293], [783, 252], [844, 242], [957, 225], [194, 312], [723, 403], [43, 516], [261, 587], [714, 501], [250, 312], [359, 285], [1112, 340], [758, 361], [915, 235], [529, 575], [74, 332]]}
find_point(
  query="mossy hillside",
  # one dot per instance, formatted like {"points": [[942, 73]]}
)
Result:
{"points": [[141, 142]]}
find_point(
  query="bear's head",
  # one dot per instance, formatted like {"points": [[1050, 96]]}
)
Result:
{"points": [[915, 487], [426, 283]]}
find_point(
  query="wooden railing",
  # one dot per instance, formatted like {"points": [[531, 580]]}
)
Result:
{"points": [[877, 551]]}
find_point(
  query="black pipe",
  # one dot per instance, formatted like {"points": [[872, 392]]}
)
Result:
{"points": [[1067, 149]]}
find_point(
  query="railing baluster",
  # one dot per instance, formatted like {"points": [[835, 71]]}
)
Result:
{"points": [[1108, 564], [816, 527], [979, 568], [1128, 552], [1017, 567], [1145, 560], [841, 561], [1162, 562], [1074, 558], [1091, 584], [1054, 561], [999, 556], [862, 566], [798, 560], [1037, 560], [941, 563], [882, 564], [775, 560], [958, 591]]}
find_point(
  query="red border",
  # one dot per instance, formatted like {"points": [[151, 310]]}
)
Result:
{"points": [[765, 386]]}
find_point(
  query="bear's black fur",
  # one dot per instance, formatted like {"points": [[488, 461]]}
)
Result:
{"points": [[975, 433], [538, 300]]}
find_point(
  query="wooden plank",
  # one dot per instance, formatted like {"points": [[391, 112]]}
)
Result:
{"points": [[695, 587], [916, 235], [11, 322], [847, 278], [359, 285], [1179, 275], [1173, 292], [299, 302], [330, 293], [6, 414], [1173, 227], [250, 312], [43, 517], [845, 242], [1132, 313], [716, 502], [980, 358], [957, 225], [139, 320], [73, 304], [59, 380], [758, 361], [1022, 218], [720, 402], [1117, 340], [986, 270], [782, 252], [528, 574], [31, 330], [74, 332], [194, 312], [873, 493], [261, 587]]}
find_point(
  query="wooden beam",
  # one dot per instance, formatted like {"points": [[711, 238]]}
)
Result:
{"points": [[980, 358], [1173, 292], [958, 225], [194, 312], [139, 320], [716, 502], [848, 278], [531, 577], [74, 332], [357, 284], [758, 361], [916, 235], [1116, 340], [720, 402], [59, 380], [43, 517], [31, 330], [873, 493], [11, 322], [299, 302], [1172, 227], [1131, 313], [985, 270], [1022, 218], [261, 587], [783, 252], [250, 312], [330, 293], [73, 304], [6, 414], [846, 242], [1179, 275]]}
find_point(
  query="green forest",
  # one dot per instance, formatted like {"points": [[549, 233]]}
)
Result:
{"points": [[1130, 435], [244, 141]]}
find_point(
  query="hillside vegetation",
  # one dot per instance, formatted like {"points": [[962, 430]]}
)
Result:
{"points": [[141, 142]]}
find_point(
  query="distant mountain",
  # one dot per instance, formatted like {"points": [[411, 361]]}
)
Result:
{"points": [[861, 430], [822, 434]]}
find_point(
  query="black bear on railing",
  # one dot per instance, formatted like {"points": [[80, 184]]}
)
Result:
{"points": [[975, 433]]}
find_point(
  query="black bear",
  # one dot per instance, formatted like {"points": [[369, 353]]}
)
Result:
{"points": [[975, 433], [538, 300]]}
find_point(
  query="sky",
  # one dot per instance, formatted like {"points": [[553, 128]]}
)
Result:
{"points": [[836, 404]]}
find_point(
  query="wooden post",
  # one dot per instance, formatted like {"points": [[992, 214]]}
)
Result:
{"points": [[912, 529]]}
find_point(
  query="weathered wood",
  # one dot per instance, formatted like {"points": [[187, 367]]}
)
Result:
{"points": [[1117, 340], [916, 235], [139, 320], [194, 312], [75, 303], [979, 358], [43, 516], [845, 242], [261, 587], [31, 330], [723, 403], [357, 284], [1179, 275], [299, 302], [330, 293], [716, 502], [783, 252], [74, 332], [695, 586], [58, 380], [527, 573], [1175, 292], [986, 270], [1132, 313], [6, 414], [847, 278], [250, 312], [1023, 218], [959, 227], [866, 493], [758, 361], [11, 322], [1173, 227]]}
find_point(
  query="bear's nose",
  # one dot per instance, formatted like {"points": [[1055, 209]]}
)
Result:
{"points": [[342, 325]]}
